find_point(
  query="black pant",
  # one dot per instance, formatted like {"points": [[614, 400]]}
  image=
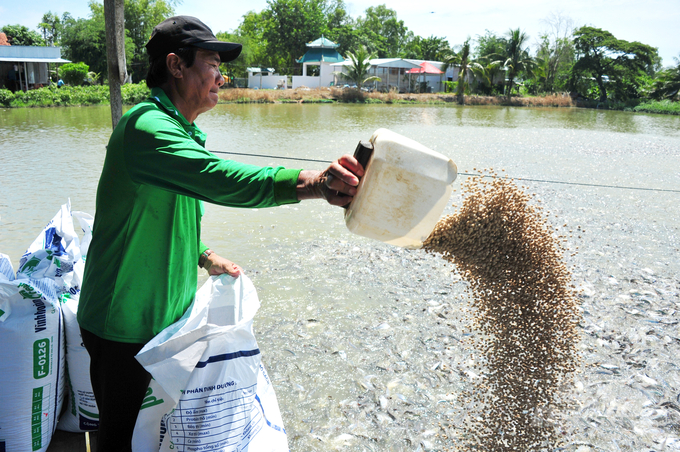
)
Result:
{"points": [[119, 383]]}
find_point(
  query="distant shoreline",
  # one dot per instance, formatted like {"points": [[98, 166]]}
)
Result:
{"points": [[135, 93]]}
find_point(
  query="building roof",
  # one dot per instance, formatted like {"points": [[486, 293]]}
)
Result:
{"points": [[31, 54], [321, 55], [385, 62], [259, 70], [425, 68], [323, 43]]}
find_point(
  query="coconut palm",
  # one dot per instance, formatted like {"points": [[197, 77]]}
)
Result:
{"points": [[466, 66], [515, 58], [357, 71]]}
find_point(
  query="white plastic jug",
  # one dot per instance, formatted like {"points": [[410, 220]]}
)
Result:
{"points": [[403, 192]]}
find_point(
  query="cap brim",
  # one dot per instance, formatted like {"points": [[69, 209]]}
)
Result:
{"points": [[228, 51]]}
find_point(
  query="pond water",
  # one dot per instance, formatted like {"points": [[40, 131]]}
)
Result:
{"points": [[363, 340]]}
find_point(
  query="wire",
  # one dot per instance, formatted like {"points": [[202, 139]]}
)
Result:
{"points": [[470, 175]]}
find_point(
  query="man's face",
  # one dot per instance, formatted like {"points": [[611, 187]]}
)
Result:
{"points": [[201, 82]]}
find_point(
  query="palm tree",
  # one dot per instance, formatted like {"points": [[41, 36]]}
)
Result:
{"points": [[466, 66], [515, 58], [357, 72]]}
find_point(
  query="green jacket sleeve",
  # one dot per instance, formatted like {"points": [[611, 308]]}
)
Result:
{"points": [[158, 152]]}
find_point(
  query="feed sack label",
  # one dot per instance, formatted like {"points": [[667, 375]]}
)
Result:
{"points": [[210, 390], [32, 368]]}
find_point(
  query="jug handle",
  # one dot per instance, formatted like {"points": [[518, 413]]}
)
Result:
{"points": [[363, 154]]}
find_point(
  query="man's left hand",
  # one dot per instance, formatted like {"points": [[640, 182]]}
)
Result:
{"points": [[337, 184]]}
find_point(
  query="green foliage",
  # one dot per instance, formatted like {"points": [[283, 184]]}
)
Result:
{"points": [[50, 28], [357, 71], [74, 73], [609, 61], [134, 93], [6, 97], [288, 26], [467, 67], [667, 83], [20, 35], [664, 106], [515, 58], [141, 16], [382, 33], [52, 96], [85, 39], [432, 49]]}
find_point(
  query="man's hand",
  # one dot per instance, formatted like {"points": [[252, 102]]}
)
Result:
{"points": [[337, 184], [216, 265]]}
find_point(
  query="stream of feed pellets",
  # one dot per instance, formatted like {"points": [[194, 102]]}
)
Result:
{"points": [[524, 311]]}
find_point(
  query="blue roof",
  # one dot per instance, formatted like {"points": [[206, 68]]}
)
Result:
{"points": [[320, 54], [323, 43]]}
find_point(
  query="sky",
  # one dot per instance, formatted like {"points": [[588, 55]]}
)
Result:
{"points": [[652, 22]]}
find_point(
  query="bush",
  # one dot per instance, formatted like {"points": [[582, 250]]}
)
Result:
{"points": [[664, 106], [74, 74], [134, 93], [6, 97]]}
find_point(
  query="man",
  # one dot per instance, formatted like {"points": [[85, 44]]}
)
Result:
{"points": [[141, 269]]}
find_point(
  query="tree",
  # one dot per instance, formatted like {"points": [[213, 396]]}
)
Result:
{"points": [[666, 85], [141, 16], [341, 28], [555, 53], [489, 47], [75, 74], [289, 25], [466, 66], [432, 49], [603, 57], [20, 35], [515, 57], [382, 33], [84, 40], [251, 34], [357, 71], [51, 28]]}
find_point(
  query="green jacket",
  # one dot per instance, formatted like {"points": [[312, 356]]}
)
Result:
{"points": [[142, 263]]}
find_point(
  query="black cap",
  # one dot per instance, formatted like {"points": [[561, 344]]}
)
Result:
{"points": [[184, 31]]}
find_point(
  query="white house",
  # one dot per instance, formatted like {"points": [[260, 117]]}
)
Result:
{"points": [[403, 74], [27, 67], [266, 78]]}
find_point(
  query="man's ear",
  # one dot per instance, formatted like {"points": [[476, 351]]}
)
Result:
{"points": [[174, 64]]}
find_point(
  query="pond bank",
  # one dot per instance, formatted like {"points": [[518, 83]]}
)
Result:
{"points": [[134, 93]]}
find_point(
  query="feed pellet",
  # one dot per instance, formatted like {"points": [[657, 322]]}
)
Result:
{"points": [[524, 313]]}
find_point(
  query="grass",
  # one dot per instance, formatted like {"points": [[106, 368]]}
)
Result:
{"points": [[135, 93], [318, 95], [665, 106]]}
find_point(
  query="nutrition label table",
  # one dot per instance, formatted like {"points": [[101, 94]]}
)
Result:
{"points": [[218, 418]]}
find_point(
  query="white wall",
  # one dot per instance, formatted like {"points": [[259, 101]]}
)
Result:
{"points": [[325, 79], [258, 81]]}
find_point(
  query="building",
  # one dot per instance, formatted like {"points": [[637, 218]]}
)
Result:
{"points": [[266, 78], [27, 67], [321, 53], [403, 75]]}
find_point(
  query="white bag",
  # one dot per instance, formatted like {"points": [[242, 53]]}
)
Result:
{"points": [[210, 391], [81, 412], [31, 361]]}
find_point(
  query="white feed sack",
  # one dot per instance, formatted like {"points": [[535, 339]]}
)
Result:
{"points": [[210, 390], [81, 412], [32, 331], [31, 362]]}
